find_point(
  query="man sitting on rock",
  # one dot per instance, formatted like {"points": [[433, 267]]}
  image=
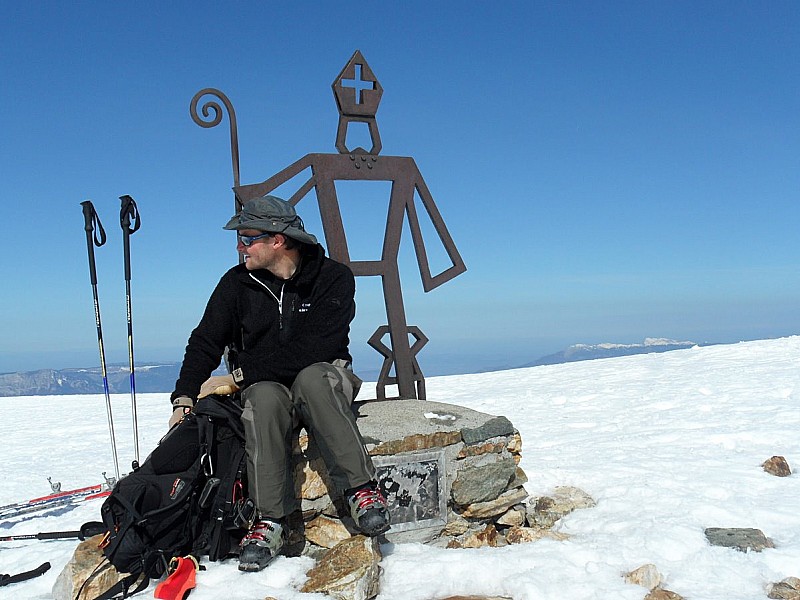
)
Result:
{"points": [[287, 311]]}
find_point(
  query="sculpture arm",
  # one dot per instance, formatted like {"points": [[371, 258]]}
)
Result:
{"points": [[429, 281], [256, 190]]}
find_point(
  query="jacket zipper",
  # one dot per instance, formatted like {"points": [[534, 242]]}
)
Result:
{"points": [[279, 300]]}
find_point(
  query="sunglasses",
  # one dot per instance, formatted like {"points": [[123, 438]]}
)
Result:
{"points": [[249, 239]]}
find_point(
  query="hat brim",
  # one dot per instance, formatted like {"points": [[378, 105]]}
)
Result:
{"points": [[271, 226]]}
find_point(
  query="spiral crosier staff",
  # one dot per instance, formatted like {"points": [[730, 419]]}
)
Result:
{"points": [[209, 106]]}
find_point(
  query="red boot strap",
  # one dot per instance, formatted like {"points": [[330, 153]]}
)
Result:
{"points": [[181, 578]]}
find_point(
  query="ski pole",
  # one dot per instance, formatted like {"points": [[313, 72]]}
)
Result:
{"points": [[130, 213], [98, 238], [6, 579], [87, 530]]}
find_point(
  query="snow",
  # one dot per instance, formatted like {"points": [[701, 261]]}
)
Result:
{"points": [[667, 444]]}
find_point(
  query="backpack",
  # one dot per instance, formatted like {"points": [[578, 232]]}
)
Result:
{"points": [[182, 500]]}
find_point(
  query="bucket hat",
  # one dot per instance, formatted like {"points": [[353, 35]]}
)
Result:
{"points": [[272, 215]]}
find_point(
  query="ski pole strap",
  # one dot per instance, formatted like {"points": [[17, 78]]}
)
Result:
{"points": [[92, 223], [91, 529], [25, 575], [129, 213]]}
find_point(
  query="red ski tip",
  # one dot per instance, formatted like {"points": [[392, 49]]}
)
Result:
{"points": [[181, 579]]}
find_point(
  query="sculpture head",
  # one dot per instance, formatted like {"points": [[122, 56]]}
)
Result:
{"points": [[358, 93]]}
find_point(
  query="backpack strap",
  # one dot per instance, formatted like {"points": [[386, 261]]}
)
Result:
{"points": [[119, 590], [223, 506], [112, 541], [222, 411]]}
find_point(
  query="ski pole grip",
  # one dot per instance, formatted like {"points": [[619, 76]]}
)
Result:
{"points": [[93, 237], [128, 213]]}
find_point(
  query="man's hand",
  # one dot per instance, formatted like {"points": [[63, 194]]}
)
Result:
{"points": [[218, 384], [180, 406]]}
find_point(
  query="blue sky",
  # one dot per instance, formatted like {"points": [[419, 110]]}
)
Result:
{"points": [[608, 171]]}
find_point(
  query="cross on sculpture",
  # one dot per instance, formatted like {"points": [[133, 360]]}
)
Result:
{"points": [[358, 164], [359, 85]]}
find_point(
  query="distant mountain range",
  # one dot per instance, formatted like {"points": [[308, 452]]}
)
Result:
{"points": [[578, 352], [162, 377], [47, 382]]}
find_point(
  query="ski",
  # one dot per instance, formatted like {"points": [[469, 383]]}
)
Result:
{"points": [[54, 500]]}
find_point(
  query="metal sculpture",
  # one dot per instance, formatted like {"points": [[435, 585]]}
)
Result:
{"points": [[358, 93]]}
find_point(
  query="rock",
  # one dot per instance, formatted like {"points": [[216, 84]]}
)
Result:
{"points": [[515, 444], [301, 442], [81, 566], [348, 571], [787, 589], [646, 576], [777, 466], [312, 508], [544, 511], [520, 478], [513, 518], [390, 422], [475, 598], [661, 594], [479, 484], [417, 441], [456, 525], [506, 500], [487, 448], [326, 531], [480, 539], [311, 479], [743, 539], [499, 426], [526, 535]]}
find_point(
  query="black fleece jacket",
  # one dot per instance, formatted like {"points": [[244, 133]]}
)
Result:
{"points": [[318, 306]]}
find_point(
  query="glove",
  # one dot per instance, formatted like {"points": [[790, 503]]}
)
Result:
{"points": [[181, 406], [218, 384]]}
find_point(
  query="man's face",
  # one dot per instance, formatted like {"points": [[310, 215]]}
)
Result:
{"points": [[260, 254]]}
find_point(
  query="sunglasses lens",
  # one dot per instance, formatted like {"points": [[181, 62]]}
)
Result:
{"points": [[249, 239]]}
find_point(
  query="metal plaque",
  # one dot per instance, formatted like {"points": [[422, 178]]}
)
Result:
{"points": [[414, 485]]}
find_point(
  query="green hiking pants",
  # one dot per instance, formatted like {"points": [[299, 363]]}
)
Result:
{"points": [[321, 400]]}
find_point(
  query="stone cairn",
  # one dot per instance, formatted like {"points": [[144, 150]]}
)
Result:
{"points": [[451, 476], [452, 479]]}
